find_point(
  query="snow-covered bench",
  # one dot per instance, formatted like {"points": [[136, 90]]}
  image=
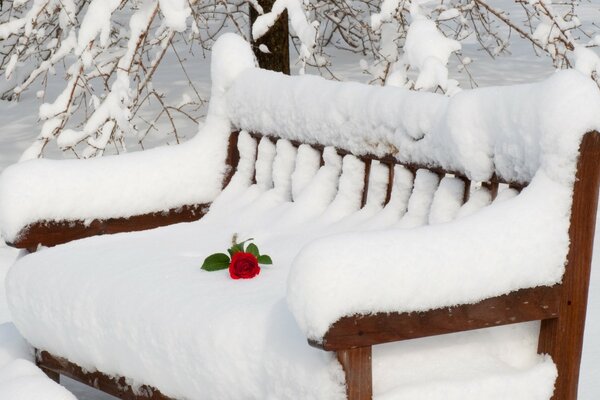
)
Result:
{"points": [[390, 215]]}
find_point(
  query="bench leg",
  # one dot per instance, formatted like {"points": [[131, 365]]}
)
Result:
{"points": [[358, 369], [564, 344]]}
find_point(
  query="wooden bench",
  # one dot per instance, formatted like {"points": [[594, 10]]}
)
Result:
{"points": [[561, 308]]}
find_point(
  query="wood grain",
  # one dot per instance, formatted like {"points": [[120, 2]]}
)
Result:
{"points": [[52, 233], [365, 190], [357, 365], [562, 337], [367, 330]]}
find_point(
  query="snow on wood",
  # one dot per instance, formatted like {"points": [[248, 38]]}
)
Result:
{"points": [[250, 323], [130, 184], [512, 130], [330, 261]]}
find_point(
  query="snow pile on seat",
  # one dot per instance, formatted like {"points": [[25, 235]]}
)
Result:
{"points": [[138, 305], [509, 130], [129, 184]]}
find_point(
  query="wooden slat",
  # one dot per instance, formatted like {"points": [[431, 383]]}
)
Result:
{"points": [[233, 158], [366, 330], [357, 365], [365, 191], [492, 186], [391, 159], [52, 233], [390, 185], [115, 386], [562, 337], [466, 190]]}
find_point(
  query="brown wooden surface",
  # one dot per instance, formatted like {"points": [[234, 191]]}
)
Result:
{"points": [[492, 186], [390, 185], [357, 365], [367, 330], [276, 40], [55, 376], [52, 233], [562, 337], [233, 158], [115, 386], [365, 191], [466, 189]]}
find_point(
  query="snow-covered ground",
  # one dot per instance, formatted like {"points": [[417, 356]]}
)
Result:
{"points": [[20, 126]]}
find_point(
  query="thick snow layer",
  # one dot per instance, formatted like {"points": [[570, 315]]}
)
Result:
{"points": [[129, 304], [385, 271], [7, 257], [129, 184], [20, 379], [523, 241], [513, 129]]}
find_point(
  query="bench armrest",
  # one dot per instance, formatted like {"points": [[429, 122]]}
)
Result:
{"points": [[367, 330], [52, 233], [50, 202], [502, 248]]}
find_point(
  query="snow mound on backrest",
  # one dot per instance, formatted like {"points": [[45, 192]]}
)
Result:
{"points": [[509, 130]]}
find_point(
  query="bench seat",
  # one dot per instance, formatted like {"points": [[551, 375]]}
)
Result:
{"points": [[137, 305]]}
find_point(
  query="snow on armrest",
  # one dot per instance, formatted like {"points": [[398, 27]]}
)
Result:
{"points": [[123, 186], [136, 184], [524, 133], [507, 246]]}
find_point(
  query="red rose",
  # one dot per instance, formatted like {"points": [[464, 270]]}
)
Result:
{"points": [[243, 266]]}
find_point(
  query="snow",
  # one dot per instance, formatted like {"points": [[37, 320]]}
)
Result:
{"points": [[122, 186], [20, 379], [514, 129], [586, 61], [176, 13], [419, 203], [522, 249], [58, 296], [441, 367], [131, 184], [96, 22], [304, 30], [447, 201], [387, 12], [428, 50], [321, 280]]}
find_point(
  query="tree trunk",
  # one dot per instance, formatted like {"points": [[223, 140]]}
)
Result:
{"points": [[276, 40]]}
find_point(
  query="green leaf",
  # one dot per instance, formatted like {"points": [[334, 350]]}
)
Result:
{"points": [[236, 248], [264, 259], [216, 262], [252, 249]]}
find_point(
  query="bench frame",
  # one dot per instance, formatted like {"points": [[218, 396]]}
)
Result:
{"points": [[561, 308]]}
